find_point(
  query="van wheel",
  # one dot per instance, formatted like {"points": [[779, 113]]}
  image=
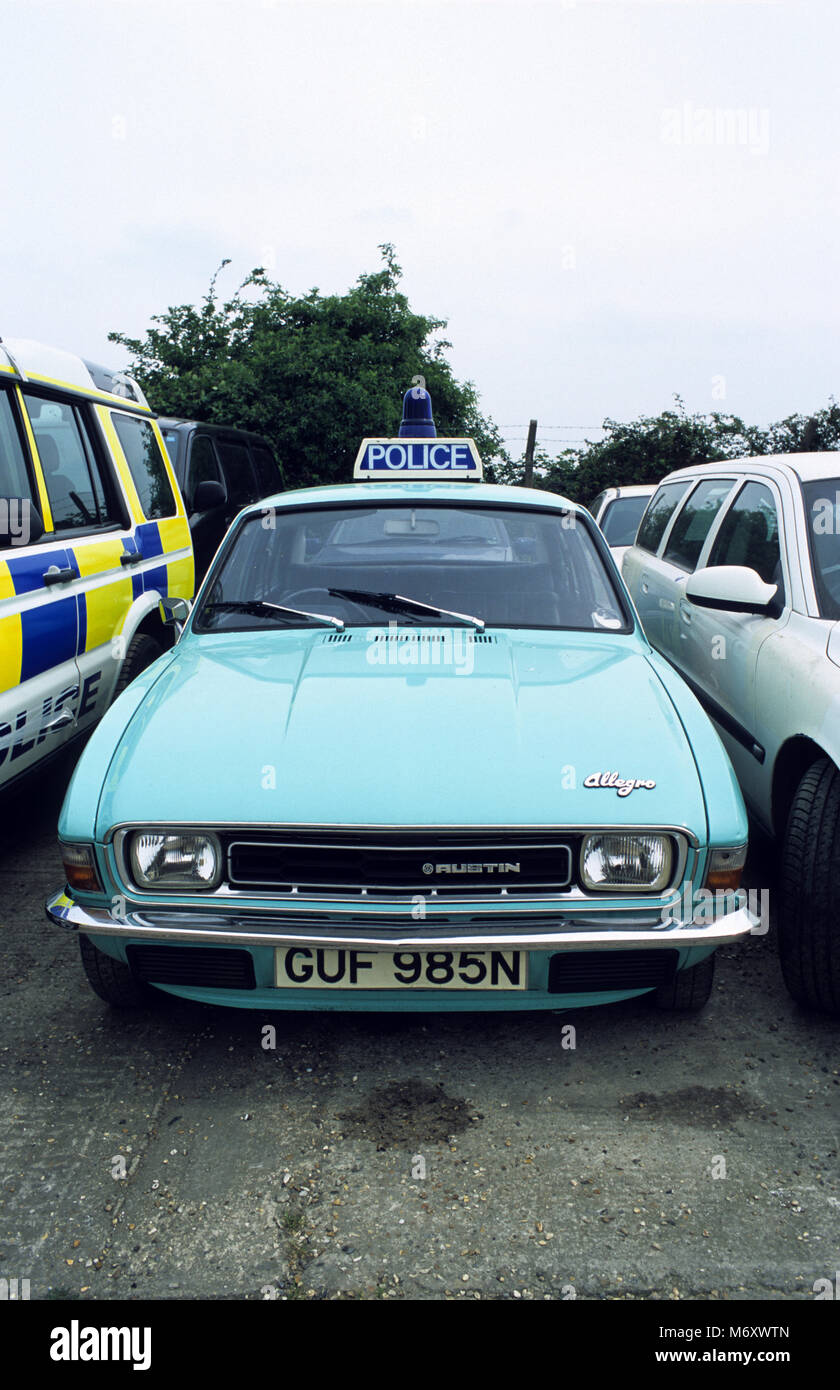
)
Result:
{"points": [[809, 935], [689, 990], [142, 651], [113, 980]]}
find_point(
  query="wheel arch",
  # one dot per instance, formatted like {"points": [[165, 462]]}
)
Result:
{"points": [[792, 762]]}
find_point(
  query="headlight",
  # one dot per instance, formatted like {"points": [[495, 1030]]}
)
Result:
{"points": [[174, 861], [619, 860]]}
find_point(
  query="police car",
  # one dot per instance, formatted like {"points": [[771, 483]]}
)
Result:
{"points": [[93, 534], [394, 763]]}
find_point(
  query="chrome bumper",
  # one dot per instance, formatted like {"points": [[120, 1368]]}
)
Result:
{"points": [[563, 933]]}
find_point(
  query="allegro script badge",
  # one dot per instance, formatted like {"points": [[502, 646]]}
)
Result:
{"points": [[622, 785]]}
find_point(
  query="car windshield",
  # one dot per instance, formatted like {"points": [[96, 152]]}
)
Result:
{"points": [[822, 506], [499, 566], [620, 521]]}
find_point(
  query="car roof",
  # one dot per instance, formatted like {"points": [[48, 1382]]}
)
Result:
{"points": [[28, 361], [630, 490], [174, 422], [364, 494], [806, 467]]}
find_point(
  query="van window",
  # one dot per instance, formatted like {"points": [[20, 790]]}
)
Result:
{"points": [[268, 474], [239, 475], [204, 466], [146, 465], [71, 474], [658, 514], [17, 495]]}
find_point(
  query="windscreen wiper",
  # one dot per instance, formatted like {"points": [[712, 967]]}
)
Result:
{"points": [[397, 603], [258, 609]]}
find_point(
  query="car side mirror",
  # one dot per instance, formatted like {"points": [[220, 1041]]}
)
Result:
{"points": [[208, 495], [174, 612], [731, 588]]}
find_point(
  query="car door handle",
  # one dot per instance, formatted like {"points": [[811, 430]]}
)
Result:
{"points": [[60, 721], [56, 576], [131, 557]]}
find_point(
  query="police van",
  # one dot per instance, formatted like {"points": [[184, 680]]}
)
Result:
{"points": [[93, 534]]}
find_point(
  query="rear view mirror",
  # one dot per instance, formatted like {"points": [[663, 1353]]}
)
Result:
{"points": [[732, 588], [398, 527]]}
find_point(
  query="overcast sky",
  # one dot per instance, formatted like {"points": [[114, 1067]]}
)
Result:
{"points": [[609, 200]]}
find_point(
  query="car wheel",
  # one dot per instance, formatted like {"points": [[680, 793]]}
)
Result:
{"points": [[113, 980], [690, 989], [142, 651], [809, 937]]}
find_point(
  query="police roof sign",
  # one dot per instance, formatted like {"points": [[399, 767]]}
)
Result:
{"points": [[456, 459]]}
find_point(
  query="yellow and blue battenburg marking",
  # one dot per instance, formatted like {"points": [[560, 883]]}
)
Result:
{"points": [[417, 453]]}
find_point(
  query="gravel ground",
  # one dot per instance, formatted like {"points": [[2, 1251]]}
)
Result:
{"points": [[172, 1154]]}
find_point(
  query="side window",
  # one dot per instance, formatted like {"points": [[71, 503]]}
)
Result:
{"points": [[749, 535], [694, 522], [204, 466], [170, 439], [594, 507], [268, 474], [146, 465], [660, 510], [71, 473], [239, 475], [17, 494]]}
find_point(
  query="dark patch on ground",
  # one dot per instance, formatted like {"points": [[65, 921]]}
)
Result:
{"points": [[693, 1105], [408, 1113]]}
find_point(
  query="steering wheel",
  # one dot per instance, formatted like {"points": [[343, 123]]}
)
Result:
{"points": [[288, 599]]}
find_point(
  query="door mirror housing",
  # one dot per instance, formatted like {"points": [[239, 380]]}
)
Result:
{"points": [[174, 612], [731, 588], [208, 495]]}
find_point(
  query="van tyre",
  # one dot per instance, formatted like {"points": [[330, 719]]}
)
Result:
{"points": [[142, 651], [112, 980], [809, 931], [689, 990]]}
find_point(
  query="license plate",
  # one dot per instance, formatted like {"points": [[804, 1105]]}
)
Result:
{"points": [[316, 967]]}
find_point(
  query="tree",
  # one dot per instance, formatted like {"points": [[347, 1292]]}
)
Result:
{"points": [[313, 373], [644, 450]]}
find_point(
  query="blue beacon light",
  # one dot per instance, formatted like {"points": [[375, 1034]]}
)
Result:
{"points": [[417, 422]]}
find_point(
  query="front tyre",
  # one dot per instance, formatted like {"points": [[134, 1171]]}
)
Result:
{"points": [[809, 935], [112, 979], [689, 990], [142, 651]]}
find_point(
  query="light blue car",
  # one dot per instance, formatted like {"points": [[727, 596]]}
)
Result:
{"points": [[411, 751]]}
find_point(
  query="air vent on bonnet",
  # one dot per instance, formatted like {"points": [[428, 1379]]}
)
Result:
{"points": [[423, 638]]}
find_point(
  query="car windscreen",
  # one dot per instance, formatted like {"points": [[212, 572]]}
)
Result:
{"points": [[506, 566], [620, 521], [822, 507]]}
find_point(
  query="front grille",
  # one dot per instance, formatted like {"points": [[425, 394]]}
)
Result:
{"points": [[590, 972], [213, 967], [405, 862]]}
